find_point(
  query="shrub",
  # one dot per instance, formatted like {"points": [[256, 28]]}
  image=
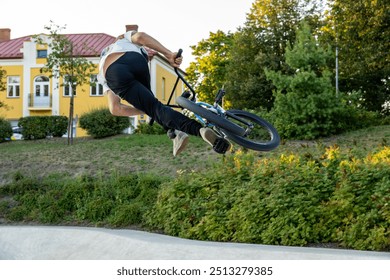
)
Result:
{"points": [[99, 123], [5, 130], [294, 200], [57, 126], [33, 127], [114, 200], [145, 128], [39, 127]]}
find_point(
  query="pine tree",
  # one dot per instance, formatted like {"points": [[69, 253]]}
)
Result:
{"points": [[306, 105]]}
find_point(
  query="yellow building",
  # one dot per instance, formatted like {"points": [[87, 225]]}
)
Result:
{"points": [[31, 93]]}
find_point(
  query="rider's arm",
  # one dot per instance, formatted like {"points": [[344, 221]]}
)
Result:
{"points": [[143, 39], [119, 109]]}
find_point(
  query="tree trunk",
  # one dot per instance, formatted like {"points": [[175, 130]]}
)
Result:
{"points": [[71, 109]]}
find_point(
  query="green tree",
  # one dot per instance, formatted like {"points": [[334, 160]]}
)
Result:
{"points": [[261, 43], [306, 105], [208, 72], [3, 74], [361, 31], [63, 61]]}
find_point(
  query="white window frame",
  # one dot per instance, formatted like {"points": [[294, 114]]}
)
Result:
{"points": [[66, 88], [95, 87], [13, 87]]}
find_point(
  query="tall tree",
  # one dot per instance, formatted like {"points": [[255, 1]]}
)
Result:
{"points": [[208, 72], [361, 31], [260, 44], [63, 61], [238, 60]]}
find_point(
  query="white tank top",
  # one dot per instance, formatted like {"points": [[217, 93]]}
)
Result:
{"points": [[120, 46]]}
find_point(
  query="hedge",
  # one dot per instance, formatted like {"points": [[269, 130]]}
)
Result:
{"points": [[39, 127], [294, 200], [100, 123], [5, 130]]}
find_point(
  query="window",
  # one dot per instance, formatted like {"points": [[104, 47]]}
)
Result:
{"points": [[68, 91], [96, 88], [13, 86], [163, 89], [41, 53]]}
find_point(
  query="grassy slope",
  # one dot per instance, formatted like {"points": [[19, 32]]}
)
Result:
{"points": [[125, 153], [148, 153]]}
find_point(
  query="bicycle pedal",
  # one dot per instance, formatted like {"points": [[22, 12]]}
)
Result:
{"points": [[171, 133], [221, 146]]}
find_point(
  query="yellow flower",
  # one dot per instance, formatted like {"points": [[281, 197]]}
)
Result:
{"points": [[379, 157]]}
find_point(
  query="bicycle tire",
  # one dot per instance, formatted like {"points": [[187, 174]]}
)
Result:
{"points": [[247, 142], [210, 116]]}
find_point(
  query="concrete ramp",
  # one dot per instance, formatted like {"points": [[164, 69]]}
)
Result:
{"points": [[80, 243]]}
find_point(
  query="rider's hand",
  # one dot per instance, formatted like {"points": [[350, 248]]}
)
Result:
{"points": [[120, 37], [175, 61], [151, 53]]}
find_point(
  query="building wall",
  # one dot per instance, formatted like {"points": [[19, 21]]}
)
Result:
{"points": [[14, 104], [163, 80]]}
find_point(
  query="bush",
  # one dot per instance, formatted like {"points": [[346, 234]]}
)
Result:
{"points": [[145, 128], [39, 127], [114, 200], [33, 127], [5, 130], [99, 123], [57, 126], [294, 200]]}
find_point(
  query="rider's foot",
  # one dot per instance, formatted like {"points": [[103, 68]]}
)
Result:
{"points": [[179, 142], [210, 136]]}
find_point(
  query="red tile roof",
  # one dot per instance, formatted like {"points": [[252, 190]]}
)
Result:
{"points": [[85, 45]]}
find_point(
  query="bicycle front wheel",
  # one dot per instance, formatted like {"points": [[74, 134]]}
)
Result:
{"points": [[260, 136]]}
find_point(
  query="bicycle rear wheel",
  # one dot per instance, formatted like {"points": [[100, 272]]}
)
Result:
{"points": [[261, 135]]}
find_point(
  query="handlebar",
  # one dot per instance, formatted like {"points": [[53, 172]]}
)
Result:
{"points": [[180, 77], [180, 51]]}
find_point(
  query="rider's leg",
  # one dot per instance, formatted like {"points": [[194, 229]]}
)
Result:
{"points": [[129, 78]]}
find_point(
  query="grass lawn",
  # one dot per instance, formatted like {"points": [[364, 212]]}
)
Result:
{"points": [[150, 153], [122, 154]]}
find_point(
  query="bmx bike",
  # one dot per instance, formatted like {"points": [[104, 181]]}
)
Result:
{"points": [[244, 128]]}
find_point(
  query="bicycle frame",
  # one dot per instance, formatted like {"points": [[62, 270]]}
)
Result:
{"points": [[179, 77], [221, 120], [216, 108]]}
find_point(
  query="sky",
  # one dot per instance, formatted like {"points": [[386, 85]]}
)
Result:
{"points": [[175, 23]]}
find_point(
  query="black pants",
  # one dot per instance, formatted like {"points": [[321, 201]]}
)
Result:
{"points": [[129, 78]]}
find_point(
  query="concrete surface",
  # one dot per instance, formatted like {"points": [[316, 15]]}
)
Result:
{"points": [[77, 243]]}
